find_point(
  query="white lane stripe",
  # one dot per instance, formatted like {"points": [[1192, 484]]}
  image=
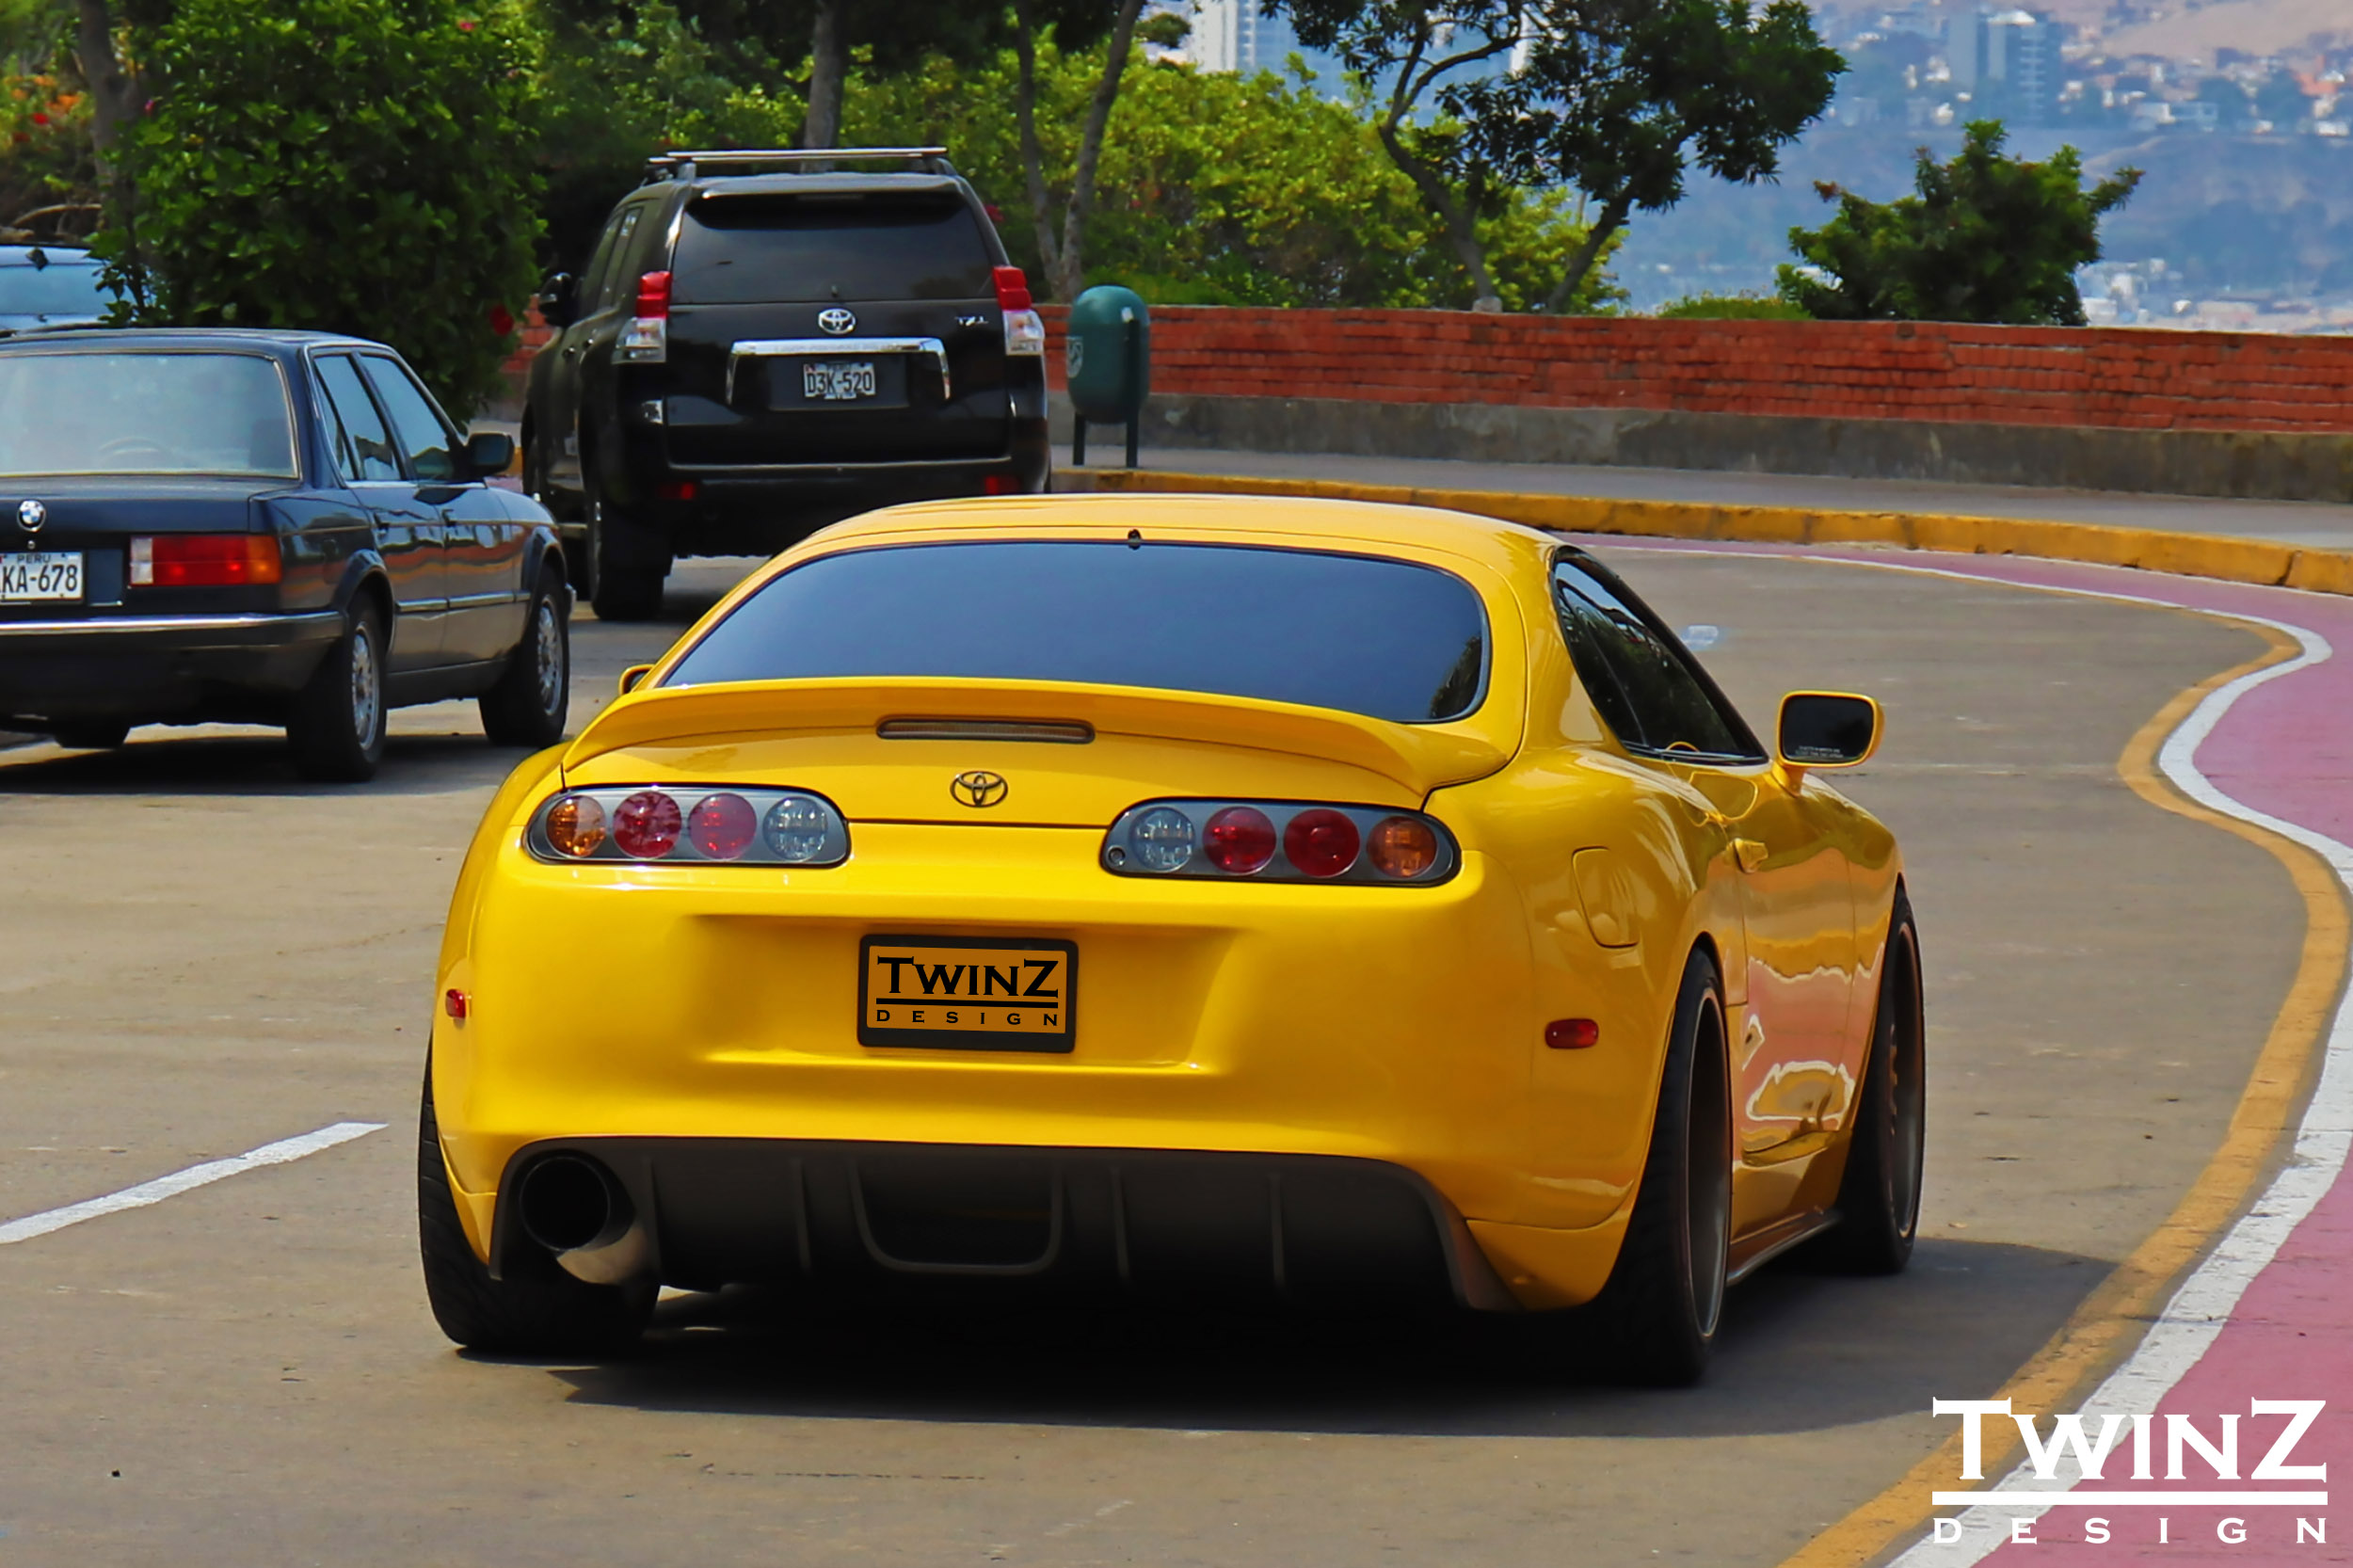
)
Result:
{"points": [[2194, 1319], [146, 1192]]}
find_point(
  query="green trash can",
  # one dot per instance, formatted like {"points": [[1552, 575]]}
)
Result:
{"points": [[1108, 355]]}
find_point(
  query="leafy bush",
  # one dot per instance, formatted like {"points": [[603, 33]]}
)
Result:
{"points": [[1730, 307], [354, 166], [1986, 238]]}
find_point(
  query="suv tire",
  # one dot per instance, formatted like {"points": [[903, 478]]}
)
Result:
{"points": [[617, 593]]}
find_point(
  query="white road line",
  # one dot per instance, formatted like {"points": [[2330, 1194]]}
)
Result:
{"points": [[2196, 1316], [282, 1152]]}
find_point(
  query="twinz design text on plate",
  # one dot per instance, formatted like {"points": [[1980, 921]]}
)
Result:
{"points": [[961, 993]]}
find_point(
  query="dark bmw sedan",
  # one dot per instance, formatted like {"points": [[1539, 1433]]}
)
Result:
{"points": [[262, 527]]}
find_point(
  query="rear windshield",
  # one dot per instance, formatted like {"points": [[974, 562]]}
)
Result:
{"points": [[1383, 638], [144, 414], [755, 249], [66, 289]]}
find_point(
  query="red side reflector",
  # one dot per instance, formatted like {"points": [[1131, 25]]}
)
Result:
{"points": [[455, 1004], [997, 484], [205, 560], [676, 489], [653, 296], [1013, 289], [1572, 1034]]}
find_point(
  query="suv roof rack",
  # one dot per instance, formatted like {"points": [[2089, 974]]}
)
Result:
{"points": [[737, 161]]}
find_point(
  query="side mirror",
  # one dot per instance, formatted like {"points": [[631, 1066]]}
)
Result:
{"points": [[632, 675], [489, 452], [1826, 729], [559, 299]]}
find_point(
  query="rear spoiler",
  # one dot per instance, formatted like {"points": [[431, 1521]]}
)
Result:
{"points": [[1421, 758]]}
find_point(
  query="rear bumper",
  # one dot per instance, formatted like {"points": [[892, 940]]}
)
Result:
{"points": [[1305, 1228], [138, 667]]}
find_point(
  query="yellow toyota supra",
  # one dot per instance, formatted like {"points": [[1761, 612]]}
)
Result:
{"points": [[1305, 900]]}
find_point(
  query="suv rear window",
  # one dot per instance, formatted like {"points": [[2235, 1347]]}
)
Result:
{"points": [[1387, 639], [761, 250]]}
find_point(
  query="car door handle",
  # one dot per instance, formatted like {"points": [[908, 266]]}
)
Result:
{"points": [[1750, 853]]}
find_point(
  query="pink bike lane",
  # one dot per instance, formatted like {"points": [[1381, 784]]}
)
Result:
{"points": [[2269, 1315]]}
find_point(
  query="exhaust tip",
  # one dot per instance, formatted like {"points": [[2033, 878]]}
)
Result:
{"points": [[570, 1203]]}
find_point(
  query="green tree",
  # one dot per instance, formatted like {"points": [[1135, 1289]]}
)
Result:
{"points": [[1985, 238], [1073, 25], [360, 166]]}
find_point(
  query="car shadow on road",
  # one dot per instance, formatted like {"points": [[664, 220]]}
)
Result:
{"points": [[219, 761], [1800, 1351]]}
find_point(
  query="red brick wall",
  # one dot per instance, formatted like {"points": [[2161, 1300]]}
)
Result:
{"points": [[2123, 378]]}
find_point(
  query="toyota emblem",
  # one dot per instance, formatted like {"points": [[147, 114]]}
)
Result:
{"points": [[978, 788], [31, 515], [836, 320]]}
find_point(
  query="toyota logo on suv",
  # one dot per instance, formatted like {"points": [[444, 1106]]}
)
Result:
{"points": [[836, 320]]}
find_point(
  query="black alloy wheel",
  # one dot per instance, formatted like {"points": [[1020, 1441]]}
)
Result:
{"points": [[620, 593], [336, 726], [528, 706], [1879, 1196], [1660, 1310], [536, 1308], [89, 734]]}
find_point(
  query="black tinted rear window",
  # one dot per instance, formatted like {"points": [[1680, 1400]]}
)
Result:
{"points": [[1383, 638], [755, 250]]}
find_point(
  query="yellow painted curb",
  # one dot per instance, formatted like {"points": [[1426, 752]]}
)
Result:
{"points": [[2264, 562]]}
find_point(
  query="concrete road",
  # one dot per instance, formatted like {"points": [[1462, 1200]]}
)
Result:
{"points": [[204, 954]]}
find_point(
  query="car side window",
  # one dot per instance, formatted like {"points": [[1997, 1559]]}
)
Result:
{"points": [[363, 448], [609, 285], [592, 276], [424, 440], [1648, 692]]}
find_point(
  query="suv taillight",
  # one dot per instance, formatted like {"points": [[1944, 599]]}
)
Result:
{"points": [[1240, 839], [645, 340], [1025, 330], [205, 560]]}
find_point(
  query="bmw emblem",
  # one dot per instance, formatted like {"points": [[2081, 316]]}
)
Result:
{"points": [[836, 320], [978, 788], [31, 515]]}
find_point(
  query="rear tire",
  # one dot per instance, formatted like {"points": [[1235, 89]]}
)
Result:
{"points": [[537, 1309], [1879, 1197], [533, 698], [1661, 1308], [619, 593], [89, 735], [337, 725]]}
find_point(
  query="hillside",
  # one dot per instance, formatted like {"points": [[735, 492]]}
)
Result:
{"points": [[2193, 32]]}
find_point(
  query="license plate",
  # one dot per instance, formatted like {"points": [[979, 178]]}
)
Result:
{"points": [[837, 380], [958, 994], [47, 575]]}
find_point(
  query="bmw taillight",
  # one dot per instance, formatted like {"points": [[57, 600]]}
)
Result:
{"points": [[645, 340], [670, 824], [1279, 841], [205, 560], [1025, 330]]}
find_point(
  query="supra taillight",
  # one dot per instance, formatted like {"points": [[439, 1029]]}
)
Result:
{"points": [[722, 826], [747, 826], [646, 826], [1227, 838], [1321, 842], [205, 560], [1240, 839]]}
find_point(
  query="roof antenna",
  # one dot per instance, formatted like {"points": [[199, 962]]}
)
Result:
{"points": [[1135, 538], [38, 258]]}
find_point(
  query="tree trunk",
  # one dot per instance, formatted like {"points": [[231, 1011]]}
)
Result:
{"points": [[1070, 269], [115, 94], [1461, 224], [828, 63], [1032, 157], [1613, 217]]}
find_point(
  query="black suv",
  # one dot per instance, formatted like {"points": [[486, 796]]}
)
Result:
{"points": [[764, 343]]}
